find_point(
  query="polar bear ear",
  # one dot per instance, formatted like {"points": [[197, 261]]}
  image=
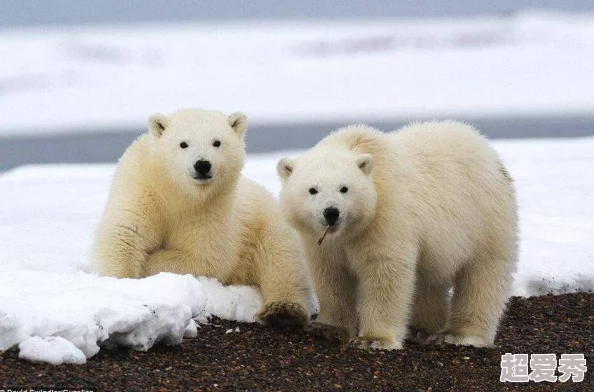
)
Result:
{"points": [[238, 122], [365, 163], [157, 124], [284, 168]]}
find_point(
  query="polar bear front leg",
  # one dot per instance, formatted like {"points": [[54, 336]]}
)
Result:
{"points": [[387, 286], [336, 288], [122, 242], [283, 278]]}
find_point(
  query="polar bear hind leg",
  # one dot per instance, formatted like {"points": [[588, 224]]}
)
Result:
{"points": [[481, 290]]}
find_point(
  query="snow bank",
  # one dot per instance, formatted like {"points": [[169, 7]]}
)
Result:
{"points": [[79, 79], [53, 310], [57, 317]]}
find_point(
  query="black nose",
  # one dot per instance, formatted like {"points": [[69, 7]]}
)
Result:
{"points": [[331, 214], [202, 167]]}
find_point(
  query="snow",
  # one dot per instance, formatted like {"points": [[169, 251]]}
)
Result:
{"points": [[52, 349], [191, 329], [88, 311], [230, 301], [531, 63], [55, 311], [555, 189]]}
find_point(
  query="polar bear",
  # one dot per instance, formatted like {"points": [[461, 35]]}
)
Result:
{"points": [[179, 204], [406, 216]]}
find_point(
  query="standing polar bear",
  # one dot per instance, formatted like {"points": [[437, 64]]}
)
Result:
{"points": [[178, 204], [391, 221]]}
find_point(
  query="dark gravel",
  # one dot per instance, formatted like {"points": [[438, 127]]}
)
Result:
{"points": [[263, 358]]}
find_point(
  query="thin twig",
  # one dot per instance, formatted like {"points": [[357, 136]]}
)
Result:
{"points": [[323, 235]]}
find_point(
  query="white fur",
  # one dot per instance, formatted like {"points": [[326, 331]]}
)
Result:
{"points": [[428, 207], [161, 217]]}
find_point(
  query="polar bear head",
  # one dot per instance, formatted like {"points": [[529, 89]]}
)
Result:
{"points": [[199, 149], [328, 187]]}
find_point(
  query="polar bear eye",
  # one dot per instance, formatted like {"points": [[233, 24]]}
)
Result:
{"points": [[183, 145], [217, 143], [344, 189], [313, 191]]}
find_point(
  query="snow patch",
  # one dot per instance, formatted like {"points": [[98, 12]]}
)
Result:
{"points": [[191, 330], [55, 350], [232, 302], [90, 312]]}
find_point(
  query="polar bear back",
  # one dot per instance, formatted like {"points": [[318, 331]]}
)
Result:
{"points": [[440, 180], [467, 195]]}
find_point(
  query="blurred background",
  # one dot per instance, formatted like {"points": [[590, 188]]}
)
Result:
{"points": [[78, 79]]}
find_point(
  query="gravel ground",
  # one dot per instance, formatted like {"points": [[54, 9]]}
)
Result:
{"points": [[262, 358]]}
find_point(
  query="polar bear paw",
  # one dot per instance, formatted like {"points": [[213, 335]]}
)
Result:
{"points": [[418, 335], [459, 340], [329, 332], [283, 313], [375, 343]]}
